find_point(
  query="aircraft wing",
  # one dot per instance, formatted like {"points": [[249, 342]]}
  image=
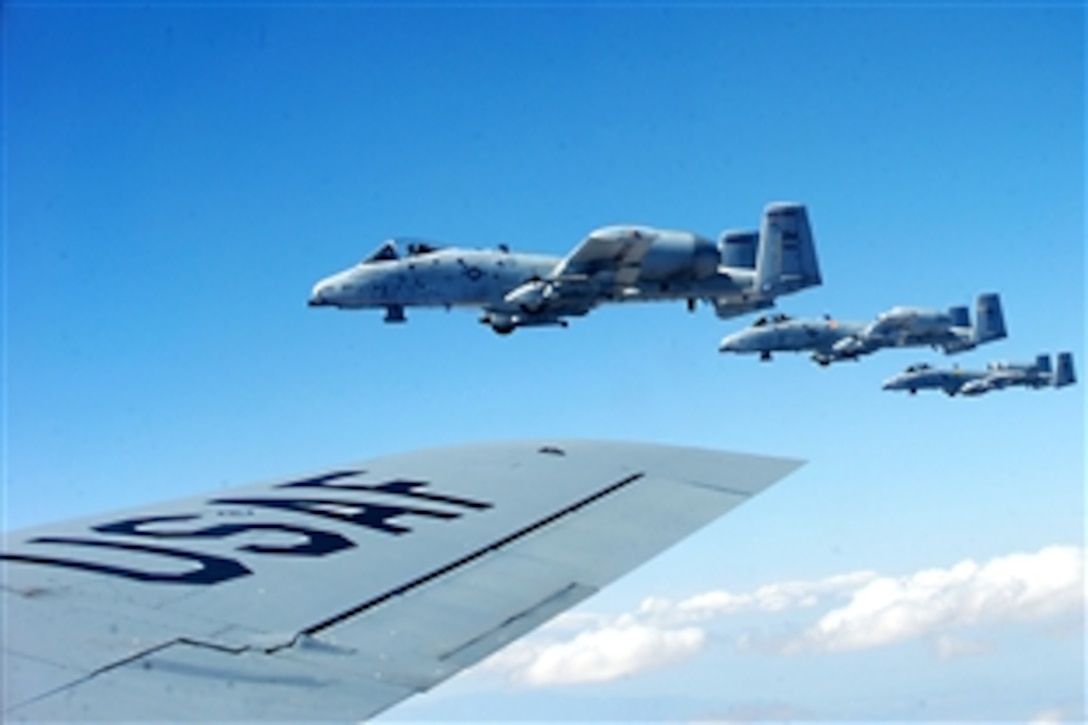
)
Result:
{"points": [[337, 594], [616, 253]]}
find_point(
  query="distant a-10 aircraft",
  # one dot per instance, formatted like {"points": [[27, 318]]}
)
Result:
{"points": [[832, 340], [745, 271], [997, 376]]}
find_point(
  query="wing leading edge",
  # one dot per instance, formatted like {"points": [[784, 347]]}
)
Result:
{"points": [[341, 593]]}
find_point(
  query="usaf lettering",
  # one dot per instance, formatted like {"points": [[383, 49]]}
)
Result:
{"points": [[378, 507]]}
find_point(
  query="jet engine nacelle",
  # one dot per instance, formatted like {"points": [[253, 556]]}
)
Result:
{"points": [[959, 316], [738, 248], [679, 255], [909, 321]]}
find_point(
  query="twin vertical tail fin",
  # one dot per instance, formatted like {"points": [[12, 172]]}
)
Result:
{"points": [[1042, 364], [989, 319], [785, 260], [1064, 375]]}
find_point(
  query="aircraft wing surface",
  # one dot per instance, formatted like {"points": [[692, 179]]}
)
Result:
{"points": [[618, 255], [337, 594]]}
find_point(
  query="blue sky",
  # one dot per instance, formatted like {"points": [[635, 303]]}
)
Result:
{"points": [[178, 177]]}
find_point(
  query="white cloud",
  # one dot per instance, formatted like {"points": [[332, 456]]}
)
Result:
{"points": [[1052, 715], [950, 648], [599, 655], [1017, 587], [770, 598], [878, 610], [584, 647]]}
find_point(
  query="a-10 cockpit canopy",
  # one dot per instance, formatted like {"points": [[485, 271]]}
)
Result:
{"points": [[771, 320], [920, 367], [389, 250]]}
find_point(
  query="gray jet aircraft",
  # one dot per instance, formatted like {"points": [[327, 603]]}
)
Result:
{"points": [[782, 333], [832, 340], [997, 376], [746, 271]]}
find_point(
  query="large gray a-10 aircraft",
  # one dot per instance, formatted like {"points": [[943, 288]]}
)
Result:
{"points": [[997, 376], [832, 340], [336, 594], [745, 271]]}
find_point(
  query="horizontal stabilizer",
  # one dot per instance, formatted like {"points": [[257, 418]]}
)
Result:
{"points": [[726, 308]]}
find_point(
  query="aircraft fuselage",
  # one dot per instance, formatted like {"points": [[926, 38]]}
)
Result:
{"points": [[482, 278], [790, 336], [447, 278]]}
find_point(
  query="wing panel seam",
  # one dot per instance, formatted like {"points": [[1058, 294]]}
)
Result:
{"points": [[556, 596], [470, 557], [739, 493]]}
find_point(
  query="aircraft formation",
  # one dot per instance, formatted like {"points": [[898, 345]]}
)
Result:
{"points": [[829, 341], [746, 271], [418, 565]]}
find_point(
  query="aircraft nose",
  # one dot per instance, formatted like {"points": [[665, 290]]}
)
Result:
{"points": [[319, 296], [729, 343], [738, 342]]}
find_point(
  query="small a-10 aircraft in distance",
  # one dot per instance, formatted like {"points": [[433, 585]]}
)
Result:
{"points": [[832, 340], [997, 376], [745, 271]]}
